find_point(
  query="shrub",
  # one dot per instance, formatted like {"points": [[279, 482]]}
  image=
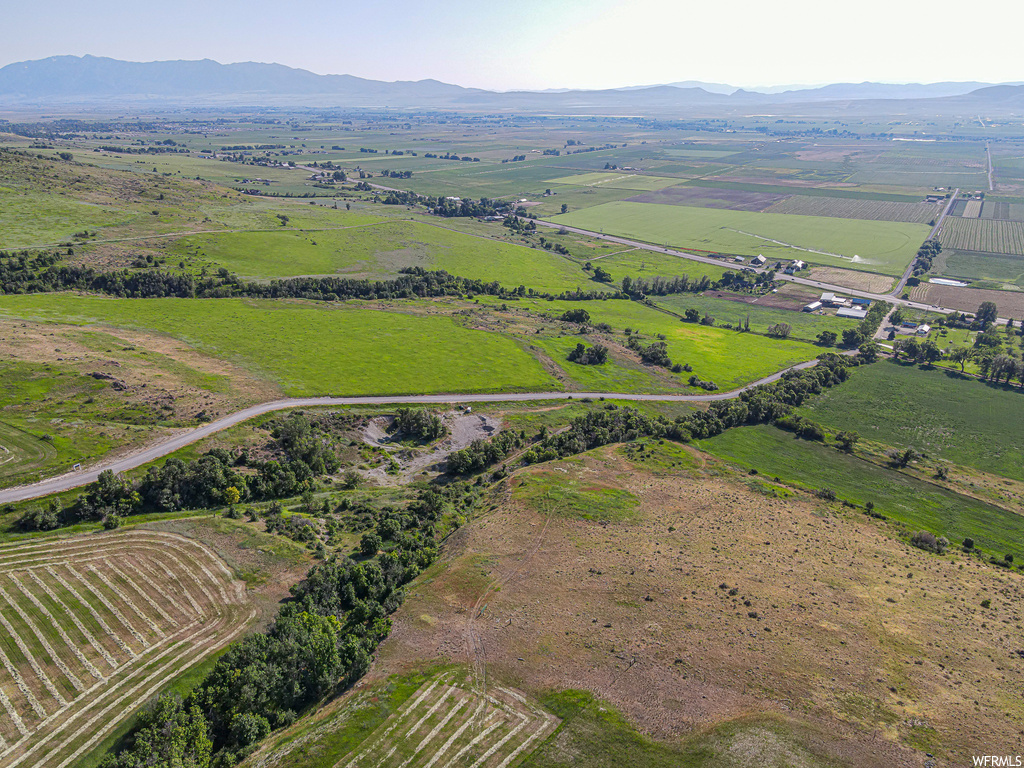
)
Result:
{"points": [[929, 542]]}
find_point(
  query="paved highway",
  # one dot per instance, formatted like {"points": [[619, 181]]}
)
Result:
{"points": [[158, 450]]}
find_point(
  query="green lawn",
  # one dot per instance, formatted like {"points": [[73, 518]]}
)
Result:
{"points": [[918, 504], [315, 349], [885, 247], [380, 250], [962, 420]]}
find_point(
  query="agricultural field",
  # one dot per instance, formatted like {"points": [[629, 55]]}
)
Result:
{"points": [[709, 197], [762, 312], [94, 626], [309, 349], [1001, 269], [957, 419], [858, 281], [728, 358], [1005, 237], [638, 263], [617, 181], [1001, 209], [1010, 303], [870, 210], [884, 247], [453, 721], [380, 249]]}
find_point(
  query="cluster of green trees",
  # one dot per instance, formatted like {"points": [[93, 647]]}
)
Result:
{"points": [[481, 454], [419, 423], [583, 355], [318, 645], [925, 254], [305, 451], [655, 353], [465, 207], [853, 338]]}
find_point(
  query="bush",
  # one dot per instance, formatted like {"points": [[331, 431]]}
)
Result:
{"points": [[929, 542]]}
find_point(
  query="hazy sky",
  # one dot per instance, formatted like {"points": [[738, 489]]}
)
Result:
{"points": [[547, 43]]}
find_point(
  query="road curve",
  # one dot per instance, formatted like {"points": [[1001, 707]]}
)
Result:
{"points": [[160, 449]]}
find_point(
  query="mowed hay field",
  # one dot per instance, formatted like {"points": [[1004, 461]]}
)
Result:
{"points": [[95, 625], [720, 614], [380, 250], [314, 349], [876, 246], [1009, 303]]}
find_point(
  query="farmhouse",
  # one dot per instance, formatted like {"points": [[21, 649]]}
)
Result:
{"points": [[798, 265], [832, 300], [924, 330], [853, 313]]}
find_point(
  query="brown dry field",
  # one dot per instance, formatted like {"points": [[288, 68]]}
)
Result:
{"points": [[719, 602], [1010, 303], [859, 281]]}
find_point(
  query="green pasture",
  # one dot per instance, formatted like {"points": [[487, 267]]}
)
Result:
{"points": [[617, 180], [728, 358], [638, 263], [917, 504], [314, 349], [612, 376], [873, 246], [36, 218], [380, 250], [804, 325], [942, 414]]}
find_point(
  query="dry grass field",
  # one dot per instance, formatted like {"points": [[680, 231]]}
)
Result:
{"points": [[694, 600], [858, 281], [93, 626], [1009, 303]]}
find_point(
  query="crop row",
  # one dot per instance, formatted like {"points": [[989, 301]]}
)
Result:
{"points": [[987, 235], [843, 208]]}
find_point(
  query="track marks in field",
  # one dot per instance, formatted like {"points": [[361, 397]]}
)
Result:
{"points": [[93, 626], [449, 724]]}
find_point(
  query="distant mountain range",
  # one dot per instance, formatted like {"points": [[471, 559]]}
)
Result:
{"points": [[85, 80]]}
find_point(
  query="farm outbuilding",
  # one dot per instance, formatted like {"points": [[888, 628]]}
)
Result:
{"points": [[758, 260], [924, 330], [814, 306], [852, 313]]}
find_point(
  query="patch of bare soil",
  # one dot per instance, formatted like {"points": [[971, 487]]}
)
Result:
{"points": [[722, 600], [464, 427]]}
